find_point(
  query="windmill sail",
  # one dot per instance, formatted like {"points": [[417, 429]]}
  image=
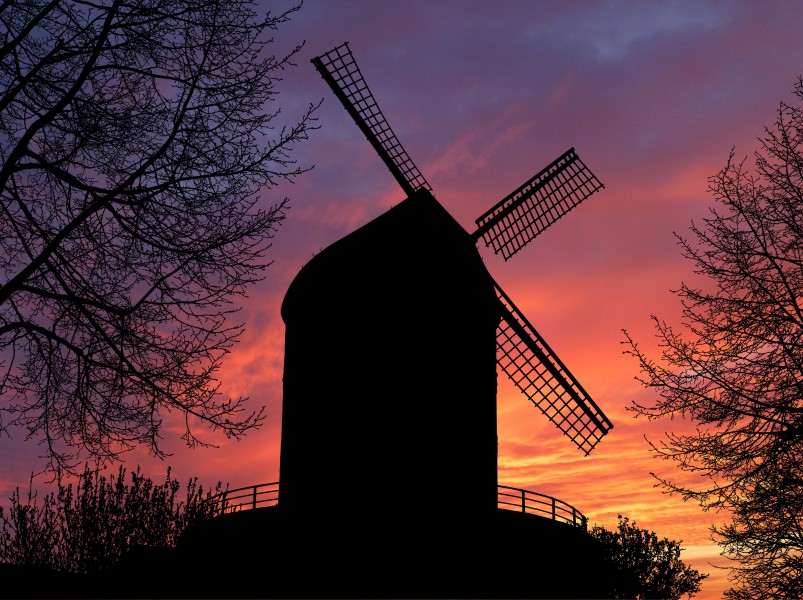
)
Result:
{"points": [[340, 71], [518, 218], [530, 363]]}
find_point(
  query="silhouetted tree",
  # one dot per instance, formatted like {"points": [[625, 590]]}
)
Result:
{"points": [[87, 527], [737, 372], [135, 139], [642, 566]]}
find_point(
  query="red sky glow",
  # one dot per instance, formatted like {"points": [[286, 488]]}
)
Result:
{"points": [[483, 94]]}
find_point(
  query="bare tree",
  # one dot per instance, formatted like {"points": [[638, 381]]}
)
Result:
{"points": [[135, 139], [737, 372]]}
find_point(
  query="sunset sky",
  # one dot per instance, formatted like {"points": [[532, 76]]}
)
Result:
{"points": [[483, 94]]}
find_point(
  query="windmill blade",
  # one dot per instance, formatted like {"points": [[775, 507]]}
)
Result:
{"points": [[519, 217], [530, 363], [340, 71]]}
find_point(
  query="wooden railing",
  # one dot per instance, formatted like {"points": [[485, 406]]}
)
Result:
{"points": [[245, 498], [509, 498], [540, 504]]}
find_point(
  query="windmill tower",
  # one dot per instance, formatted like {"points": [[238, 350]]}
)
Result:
{"points": [[393, 339]]}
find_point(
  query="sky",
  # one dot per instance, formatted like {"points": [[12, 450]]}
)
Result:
{"points": [[483, 94]]}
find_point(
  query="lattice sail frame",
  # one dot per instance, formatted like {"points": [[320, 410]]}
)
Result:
{"points": [[529, 362], [340, 71], [523, 214]]}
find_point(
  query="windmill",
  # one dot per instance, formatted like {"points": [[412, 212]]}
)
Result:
{"points": [[394, 335], [506, 227]]}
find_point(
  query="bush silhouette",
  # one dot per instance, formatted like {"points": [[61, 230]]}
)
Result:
{"points": [[87, 526], [643, 566]]}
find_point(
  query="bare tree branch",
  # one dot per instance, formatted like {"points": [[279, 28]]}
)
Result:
{"points": [[138, 142], [737, 372]]}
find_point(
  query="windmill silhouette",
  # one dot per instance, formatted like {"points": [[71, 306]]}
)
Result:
{"points": [[394, 335]]}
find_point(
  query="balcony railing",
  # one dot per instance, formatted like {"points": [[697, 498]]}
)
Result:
{"points": [[508, 498], [245, 498], [540, 504]]}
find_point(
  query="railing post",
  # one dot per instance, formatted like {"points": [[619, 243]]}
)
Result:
{"points": [[553, 509], [574, 517], [523, 502], [255, 497]]}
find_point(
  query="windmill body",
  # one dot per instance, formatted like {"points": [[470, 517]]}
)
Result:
{"points": [[390, 373]]}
